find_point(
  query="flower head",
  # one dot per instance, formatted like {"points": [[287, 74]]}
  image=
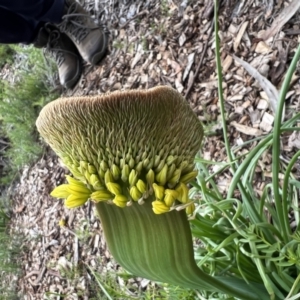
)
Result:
{"points": [[125, 147]]}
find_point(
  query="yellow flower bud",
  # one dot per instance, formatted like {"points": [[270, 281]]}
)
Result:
{"points": [[190, 209], [125, 173], [133, 177], [102, 195], [103, 166], [81, 170], [120, 200], [101, 174], [146, 162], [114, 188], [150, 176], [95, 182], [139, 167], [170, 197], [156, 160], [161, 177], [159, 207], [131, 163], [183, 164], [76, 186], [77, 174], [186, 178], [145, 154], [171, 170], [189, 168], [84, 165], [183, 193], [115, 172], [74, 201], [61, 191], [135, 193], [92, 169], [72, 180], [160, 166], [108, 177], [122, 163], [87, 175], [158, 191], [175, 177], [170, 160], [141, 185], [161, 152]]}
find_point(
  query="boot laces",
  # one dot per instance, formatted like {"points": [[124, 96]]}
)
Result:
{"points": [[74, 23], [54, 48]]}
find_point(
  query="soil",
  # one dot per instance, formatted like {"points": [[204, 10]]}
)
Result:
{"points": [[152, 43]]}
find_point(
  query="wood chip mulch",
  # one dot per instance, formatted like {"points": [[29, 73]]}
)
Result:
{"points": [[152, 43]]}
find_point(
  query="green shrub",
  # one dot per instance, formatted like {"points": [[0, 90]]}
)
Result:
{"points": [[6, 54], [20, 103]]}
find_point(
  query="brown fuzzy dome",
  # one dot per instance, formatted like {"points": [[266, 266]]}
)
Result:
{"points": [[143, 129]]}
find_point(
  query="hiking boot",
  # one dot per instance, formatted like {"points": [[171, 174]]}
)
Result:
{"points": [[90, 39], [63, 51]]}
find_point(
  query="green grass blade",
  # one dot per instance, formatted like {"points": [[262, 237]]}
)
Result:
{"points": [[279, 201]]}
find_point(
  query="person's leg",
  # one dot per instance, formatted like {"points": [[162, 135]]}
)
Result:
{"points": [[16, 29], [90, 39], [40, 10], [20, 20], [23, 21]]}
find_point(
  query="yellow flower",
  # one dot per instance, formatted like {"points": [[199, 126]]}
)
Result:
{"points": [[75, 200], [62, 223], [102, 195], [170, 197], [75, 193], [158, 191], [159, 207], [62, 191], [120, 200]]}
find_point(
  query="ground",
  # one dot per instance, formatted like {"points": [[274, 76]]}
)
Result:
{"points": [[157, 43]]}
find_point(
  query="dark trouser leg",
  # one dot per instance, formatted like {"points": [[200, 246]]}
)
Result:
{"points": [[20, 20], [15, 29], [39, 10]]}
